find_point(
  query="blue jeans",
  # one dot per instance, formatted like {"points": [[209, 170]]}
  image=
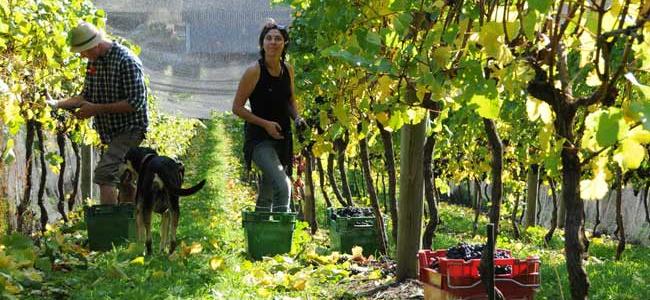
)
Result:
{"points": [[274, 189]]}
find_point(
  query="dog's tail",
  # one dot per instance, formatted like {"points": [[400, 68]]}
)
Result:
{"points": [[186, 192]]}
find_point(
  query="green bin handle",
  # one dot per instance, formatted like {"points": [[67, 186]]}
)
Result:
{"points": [[363, 225], [102, 209]]}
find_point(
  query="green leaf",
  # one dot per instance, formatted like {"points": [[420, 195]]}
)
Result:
{"points": [[373, 38], [399, 5], [541, 6], [530, 20], [402, 23], [396, 120], [8, 157], [611, 127], [487, 108], [21, 248], [53, 158], [341, 112], [642, 108], [489, 38], [449, 36]]}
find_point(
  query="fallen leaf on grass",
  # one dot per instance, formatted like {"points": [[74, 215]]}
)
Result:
{"points": [[263, 292], [196, 248], [191, 249], [216, 263], [138, 261]]}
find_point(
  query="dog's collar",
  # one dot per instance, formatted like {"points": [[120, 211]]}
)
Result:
{"points": [[144, 161]]}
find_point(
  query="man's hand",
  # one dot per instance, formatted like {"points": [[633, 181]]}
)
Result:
{"points": [[69, 104], [51, 102], [87, 110]]}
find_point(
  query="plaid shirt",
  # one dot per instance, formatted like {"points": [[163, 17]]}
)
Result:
{"points": [[114, 77]]}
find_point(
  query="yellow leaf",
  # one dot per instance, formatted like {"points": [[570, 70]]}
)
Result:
{"points": [[592, 79], [216, 263], [357, 252], [383, 85], [374, 275], [594, 189], [6, 262], [640, 135], [587, 47], [300, 284], [215, 244], [382, 117], [487, 108], [441, 56], [629, 154], [262, 292], [138, 261], [196, 248], [10, 287], [539, 109]]}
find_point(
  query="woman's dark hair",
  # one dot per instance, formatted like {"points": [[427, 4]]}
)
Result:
{"points": [[283, 31]]}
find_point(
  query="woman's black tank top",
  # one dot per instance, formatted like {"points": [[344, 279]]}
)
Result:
{"points": [[270, 100]]}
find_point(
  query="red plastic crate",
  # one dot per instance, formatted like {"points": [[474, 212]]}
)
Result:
{"points": [[457, 278]]}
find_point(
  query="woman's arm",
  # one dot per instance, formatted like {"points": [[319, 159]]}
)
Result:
{"points": [[244, 90]]}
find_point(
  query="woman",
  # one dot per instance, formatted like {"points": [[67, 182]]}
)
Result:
{"points": [[268, 84]]}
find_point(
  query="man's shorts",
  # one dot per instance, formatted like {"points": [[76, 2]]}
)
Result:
{"points": [[106, 171]]}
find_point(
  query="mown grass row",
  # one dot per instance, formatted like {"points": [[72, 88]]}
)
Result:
{"points": [[210, 262]]}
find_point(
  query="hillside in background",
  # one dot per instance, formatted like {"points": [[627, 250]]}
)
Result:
{"points": [[194, 50]]}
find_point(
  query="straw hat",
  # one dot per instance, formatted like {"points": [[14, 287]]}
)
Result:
{"points": [[84, 37]]}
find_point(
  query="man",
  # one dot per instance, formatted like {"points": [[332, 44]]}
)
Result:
{"points": [[115, 95]]}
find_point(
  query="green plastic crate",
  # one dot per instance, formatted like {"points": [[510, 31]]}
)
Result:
{"points": [[347, 232], [109, 225], [268, 233]]}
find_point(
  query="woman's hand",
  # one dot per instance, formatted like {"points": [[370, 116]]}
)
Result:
{"points": [[273, 129]]}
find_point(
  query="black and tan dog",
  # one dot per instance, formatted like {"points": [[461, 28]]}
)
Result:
{"points": [[159, 180]]}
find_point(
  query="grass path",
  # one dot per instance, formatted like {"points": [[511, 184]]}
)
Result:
{"points": [[205, 235], [210, 261]]}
